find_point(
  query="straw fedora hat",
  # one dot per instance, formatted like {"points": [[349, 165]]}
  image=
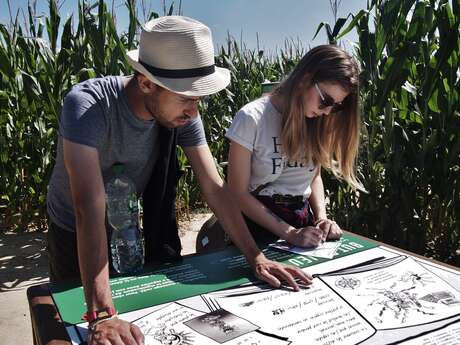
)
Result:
{"points": [[177, 53]]}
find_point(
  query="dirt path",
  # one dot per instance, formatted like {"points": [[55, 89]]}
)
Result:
{"points": [[23, 257], [23, 262]]}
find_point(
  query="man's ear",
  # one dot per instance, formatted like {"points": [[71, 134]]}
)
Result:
{"points": [[146, 86]]}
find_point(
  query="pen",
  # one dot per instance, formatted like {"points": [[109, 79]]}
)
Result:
{"points": [[364, 263], [324, 238]]}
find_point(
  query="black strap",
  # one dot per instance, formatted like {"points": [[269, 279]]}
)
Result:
{"points": [[261, 187], [179, 73], [162, 242]]}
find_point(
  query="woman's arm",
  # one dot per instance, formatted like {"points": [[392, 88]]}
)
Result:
{"points": [[316, 199], [330, 228], [221, 201]]}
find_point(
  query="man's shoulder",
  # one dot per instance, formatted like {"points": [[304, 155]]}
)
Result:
{"points": [[87, 110], [94, 82], [96, 87], [192, 134]]}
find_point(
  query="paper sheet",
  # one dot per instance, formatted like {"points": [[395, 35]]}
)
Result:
{"points": [[325, 250], [449, 335], [178, 324], [400, 293], [316, 314]]}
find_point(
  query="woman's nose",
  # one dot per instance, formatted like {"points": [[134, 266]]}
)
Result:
{"points": [[326, 111]]}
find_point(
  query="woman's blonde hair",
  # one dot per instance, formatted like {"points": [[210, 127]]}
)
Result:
{"points": [[331, 141]]}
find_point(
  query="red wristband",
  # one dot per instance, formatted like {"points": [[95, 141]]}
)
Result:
{"points": [[101, 314]]}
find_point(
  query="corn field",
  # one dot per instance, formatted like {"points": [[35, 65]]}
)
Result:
{"points": [[410, 152], [409, 53]]}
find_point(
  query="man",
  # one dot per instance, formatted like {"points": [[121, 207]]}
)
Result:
{"points": [[137, 121]]}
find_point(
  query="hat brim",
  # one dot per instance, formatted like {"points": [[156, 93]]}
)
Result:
{"points": [[197, 86]]}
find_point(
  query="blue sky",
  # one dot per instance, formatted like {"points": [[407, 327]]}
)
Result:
{"points": [[273, 20]]}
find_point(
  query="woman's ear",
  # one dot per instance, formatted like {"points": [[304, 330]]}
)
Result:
{"points": [[306, 81]]}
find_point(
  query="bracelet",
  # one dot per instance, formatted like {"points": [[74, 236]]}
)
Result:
{"points": [[92, 325], [95, 317], [320, 220], [323, 220]]}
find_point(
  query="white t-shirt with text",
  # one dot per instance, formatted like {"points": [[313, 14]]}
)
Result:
{"points": [[257, 127]]}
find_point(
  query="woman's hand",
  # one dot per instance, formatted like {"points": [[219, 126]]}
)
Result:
{"points": [[308, 236], [330, 229]]}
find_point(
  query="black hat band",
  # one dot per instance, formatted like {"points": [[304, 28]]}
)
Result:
{"points": [[179, 73]]}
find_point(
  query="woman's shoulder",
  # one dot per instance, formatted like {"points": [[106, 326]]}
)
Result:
{"points": [[257, 109]]}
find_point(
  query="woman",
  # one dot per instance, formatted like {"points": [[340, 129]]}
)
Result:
{"points": [[280, 142]]}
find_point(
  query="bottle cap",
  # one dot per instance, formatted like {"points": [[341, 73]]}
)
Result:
{"points": [[268, 86], [118, 168]]}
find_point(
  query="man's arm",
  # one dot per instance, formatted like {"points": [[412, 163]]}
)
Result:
{"points": [[88, 195], [224, 206]]}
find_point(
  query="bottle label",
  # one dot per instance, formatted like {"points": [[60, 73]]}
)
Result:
{"points": [[133, 203]]}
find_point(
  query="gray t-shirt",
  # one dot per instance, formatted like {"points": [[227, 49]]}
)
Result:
{"points": [[96, 113]]}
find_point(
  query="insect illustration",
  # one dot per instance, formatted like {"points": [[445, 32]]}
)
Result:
{"points": [[164, 336], [172, 337], [400, 303], [415, 278], [347, 283]]}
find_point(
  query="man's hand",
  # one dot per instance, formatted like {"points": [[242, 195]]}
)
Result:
{"points": [[309, 236], [115, 332], [275, 273], [330, 229]]}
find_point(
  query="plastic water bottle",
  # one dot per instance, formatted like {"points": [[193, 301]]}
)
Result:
{"points": [[123, 215]]}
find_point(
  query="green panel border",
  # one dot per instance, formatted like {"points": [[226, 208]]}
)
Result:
{"points": [[193, 276]]}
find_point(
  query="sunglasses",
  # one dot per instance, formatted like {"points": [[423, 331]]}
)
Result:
{"points": [[327, 101]]}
